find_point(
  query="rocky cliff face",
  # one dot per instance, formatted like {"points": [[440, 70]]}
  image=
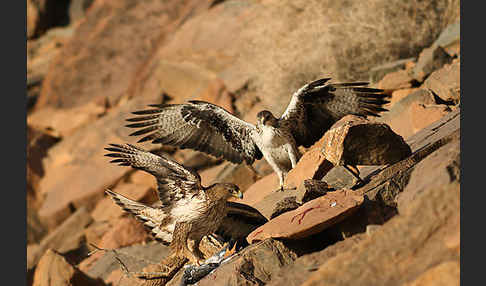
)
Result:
{"points": [[99, 60]]}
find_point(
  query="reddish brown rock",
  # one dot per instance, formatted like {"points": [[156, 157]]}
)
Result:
{"points": [[312, 165], [91, 70], [95, 232], [446, 83], [398, 95], [395, 80], [73, 165], [442, 167], [260, 189], [447, 273], [125, 231], [312, 217], [296, 273], [65, 121], [406, 246], [173, 78], [399, 117], [54, 270], [32, 18], [422, 115], [215, 45], [430, 59], [377, 73], [67, 236], [357, 141], [255, 265]]}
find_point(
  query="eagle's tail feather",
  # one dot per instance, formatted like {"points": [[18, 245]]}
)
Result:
{"points": [[126, 204], [150, 217]]}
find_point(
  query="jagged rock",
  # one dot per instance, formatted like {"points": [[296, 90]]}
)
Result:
{"points": [[407, 245], [264, 194], [395, 80], [67, 236], [124, 231], [442, 167], [86, 71], [340, 178], [413, 113], [216, 43], [296, 273], [386, 183], [311, 189], [54, 270], [255, 265], [377, 73], [73, 165], [430, 59], [285, 205], [135, 258], [310, 218], [357, 141], [446, 83]]}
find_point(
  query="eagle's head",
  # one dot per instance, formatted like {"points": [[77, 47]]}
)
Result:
{"points": [[266, 118], [225, 190]]}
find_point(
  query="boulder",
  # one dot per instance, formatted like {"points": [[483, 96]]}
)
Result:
{"points": [[310, 218], [54, 270], [430, 59], [255, 265], [66, 237], [385, 183], [355, 141], [446, 83]]}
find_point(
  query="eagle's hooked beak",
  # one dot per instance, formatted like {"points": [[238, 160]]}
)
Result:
{"points": [[262, 120], [238, 194]]}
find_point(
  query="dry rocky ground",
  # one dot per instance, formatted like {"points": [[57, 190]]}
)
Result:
{"points": [[93, 62]]}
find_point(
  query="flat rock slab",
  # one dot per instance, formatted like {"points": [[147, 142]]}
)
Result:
{"points": [[312, 217], [357, 141]]}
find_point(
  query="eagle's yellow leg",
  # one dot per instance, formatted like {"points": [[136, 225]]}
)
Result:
{"points": [[231, 251]]}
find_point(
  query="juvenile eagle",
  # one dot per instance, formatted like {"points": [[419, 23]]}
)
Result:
{"points": [[189, 211], [211, 129]]}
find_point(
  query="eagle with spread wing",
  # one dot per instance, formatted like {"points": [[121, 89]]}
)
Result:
{"points": [[189, 211], [209, 128]]}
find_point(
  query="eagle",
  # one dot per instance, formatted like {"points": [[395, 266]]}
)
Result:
{"points": [[209, 128], [188, 210]]}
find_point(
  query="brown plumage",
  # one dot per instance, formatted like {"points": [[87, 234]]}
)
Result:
{"points": [[211, 129], [189, 210]]}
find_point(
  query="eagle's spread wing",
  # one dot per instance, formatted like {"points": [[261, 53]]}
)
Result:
{"points": [[201, 126], [317, 105], [174, 181]]}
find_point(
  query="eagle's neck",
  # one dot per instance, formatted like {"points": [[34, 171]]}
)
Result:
{"points": [[216, 192]]}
